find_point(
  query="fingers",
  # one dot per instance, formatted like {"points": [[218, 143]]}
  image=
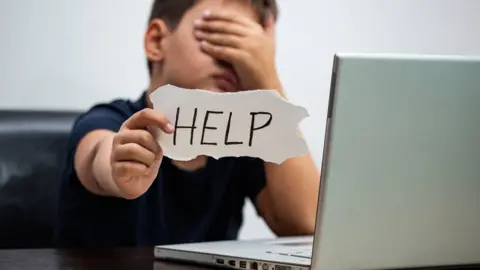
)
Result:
{"points": [[125, 170], [134, 153], [156, 163], [227, 15], [139, 136], [135, 146], [148, 117], [225, 27], [228, 54], [219, 39]]}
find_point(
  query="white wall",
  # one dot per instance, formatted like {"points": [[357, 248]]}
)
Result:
{"points": [[71, 54]]}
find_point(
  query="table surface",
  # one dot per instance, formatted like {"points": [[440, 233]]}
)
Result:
{"points": [[91, 259], [100, 259]]}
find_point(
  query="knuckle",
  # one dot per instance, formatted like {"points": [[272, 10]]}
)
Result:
{"points": [[162, 117], [145, 138], [145, 113], [115, 140], [121, 136], [130, 149], [114, 156], [219, 50]]}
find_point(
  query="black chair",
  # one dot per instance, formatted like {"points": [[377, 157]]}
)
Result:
{"points": [[32, 156]]}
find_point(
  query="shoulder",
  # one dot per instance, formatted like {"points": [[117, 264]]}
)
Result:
{"points": [[109, 116], [117, 111]]}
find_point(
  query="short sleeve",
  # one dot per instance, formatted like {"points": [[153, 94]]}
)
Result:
{"points": [[252, 177], [105, 116]]}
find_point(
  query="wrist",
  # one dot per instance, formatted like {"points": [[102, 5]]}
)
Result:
{"points": [[103, 170]]}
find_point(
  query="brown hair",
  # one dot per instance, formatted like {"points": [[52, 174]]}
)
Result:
{"points": [[172, 11]]}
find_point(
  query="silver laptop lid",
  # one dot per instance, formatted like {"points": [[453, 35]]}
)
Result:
{"points": [[401, 172]]}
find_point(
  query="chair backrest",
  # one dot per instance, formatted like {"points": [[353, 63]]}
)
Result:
{"points": [[32, 157]]}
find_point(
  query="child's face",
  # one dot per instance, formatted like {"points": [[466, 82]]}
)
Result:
{"points": [[184, 64]]}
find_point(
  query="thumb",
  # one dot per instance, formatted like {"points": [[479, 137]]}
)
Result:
{"points": [[269, 24]]}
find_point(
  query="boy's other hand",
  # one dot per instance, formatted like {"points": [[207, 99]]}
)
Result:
{"points": [[136, 155], [244, 43]]}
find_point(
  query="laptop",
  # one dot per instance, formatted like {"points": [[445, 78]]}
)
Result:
{"points": [[400, 176]]}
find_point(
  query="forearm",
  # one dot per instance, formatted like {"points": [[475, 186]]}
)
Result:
{"points": [[102, 169], [293, 188]]}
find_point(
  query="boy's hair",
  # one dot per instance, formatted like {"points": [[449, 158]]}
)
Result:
{"points": [[172, 11]]}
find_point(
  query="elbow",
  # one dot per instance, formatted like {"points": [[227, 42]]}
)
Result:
{"points": [[305, 226], [303, 223], [300, 226]]}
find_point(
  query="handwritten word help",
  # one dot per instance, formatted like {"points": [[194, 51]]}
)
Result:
{"points": [[227, 128], [256, 123]]}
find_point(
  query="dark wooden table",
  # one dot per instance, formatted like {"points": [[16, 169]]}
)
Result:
{"points": [[114, 259]]}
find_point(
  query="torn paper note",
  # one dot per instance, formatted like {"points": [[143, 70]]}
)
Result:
{"points": [[258, 123]]}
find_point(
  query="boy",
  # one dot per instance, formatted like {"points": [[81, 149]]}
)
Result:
{"points": [[118, 188]]}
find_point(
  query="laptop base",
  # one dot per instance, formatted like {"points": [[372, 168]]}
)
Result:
{"points": [[290, 253]]}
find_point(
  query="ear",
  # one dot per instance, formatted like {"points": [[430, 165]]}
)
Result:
{"points": [[156, 32]]}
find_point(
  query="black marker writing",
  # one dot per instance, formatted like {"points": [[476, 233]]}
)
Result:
{"points": [[205, 127], [192, 127], [252, 125], [227, 132]]}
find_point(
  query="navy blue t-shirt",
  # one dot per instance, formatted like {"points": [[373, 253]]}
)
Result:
{"points": [[179, 207]]}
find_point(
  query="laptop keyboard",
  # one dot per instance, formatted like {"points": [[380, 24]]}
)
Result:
{"points": [[306, 254]]}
